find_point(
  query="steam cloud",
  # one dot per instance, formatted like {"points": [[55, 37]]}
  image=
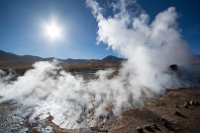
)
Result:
{"points": [[150, 47]]}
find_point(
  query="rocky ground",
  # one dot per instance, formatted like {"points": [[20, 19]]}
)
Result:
{"points": [[177, 111]]}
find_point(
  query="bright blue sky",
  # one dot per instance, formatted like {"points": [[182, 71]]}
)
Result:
{"points": [[20, 26]]}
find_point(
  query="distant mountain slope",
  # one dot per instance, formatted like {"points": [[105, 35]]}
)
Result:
{"points": [[111, 59], [10, 58]]}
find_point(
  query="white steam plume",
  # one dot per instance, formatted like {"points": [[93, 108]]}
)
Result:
{"points": [[150, 47]]}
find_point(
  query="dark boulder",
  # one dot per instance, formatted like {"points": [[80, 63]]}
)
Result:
{"points": [[139, 130], [173, 67]]}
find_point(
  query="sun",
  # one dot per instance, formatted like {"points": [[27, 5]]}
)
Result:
{"points": [[53, 31]]}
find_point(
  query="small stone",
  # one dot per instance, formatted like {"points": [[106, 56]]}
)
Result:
{"points": [[168, 125], [191, 102], [139, 130], [197, 103], [149, 128], [163, 120], [186, 105], [154, 125], [177, 113], [101, 117]]}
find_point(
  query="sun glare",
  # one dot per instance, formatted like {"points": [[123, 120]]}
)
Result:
{"points": [[53, 31]]}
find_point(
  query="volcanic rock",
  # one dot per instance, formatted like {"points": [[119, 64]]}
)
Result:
{"points": [[173, 67], [149, 128], [139, 130], [186, 105]]}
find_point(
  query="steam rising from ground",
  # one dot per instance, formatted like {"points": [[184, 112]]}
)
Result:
{"points": [[150, 47]]}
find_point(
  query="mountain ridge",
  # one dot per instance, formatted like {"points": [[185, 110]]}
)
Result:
{"points": [[30, 59]]}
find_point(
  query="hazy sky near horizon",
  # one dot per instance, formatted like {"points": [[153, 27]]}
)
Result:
{"points": [[21, 26]]}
